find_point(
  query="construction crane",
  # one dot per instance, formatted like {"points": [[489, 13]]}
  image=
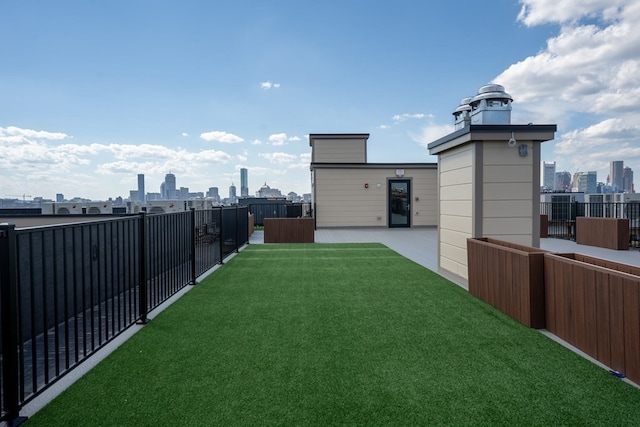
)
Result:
{"points": [[24, 196]]}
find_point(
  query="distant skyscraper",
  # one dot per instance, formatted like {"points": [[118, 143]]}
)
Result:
{"points": [[59, 197], [615, 174], [169, 186], [549, 175], [244, 183], [232, 194], [141, 187], [213, 193], [184, 193], [563, 181], [627, 180], [587, 182]]}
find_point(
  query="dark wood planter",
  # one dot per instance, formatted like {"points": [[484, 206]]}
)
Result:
{"points": [[251, 224], [289, 230], [594, 305], [610, 233], [544, 226], [508, 276]]}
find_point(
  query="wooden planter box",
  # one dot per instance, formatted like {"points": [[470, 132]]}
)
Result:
{"points": [[251, 225], [544, 226], [289, 230], [508, 276], [594, 305], [610, 233]]}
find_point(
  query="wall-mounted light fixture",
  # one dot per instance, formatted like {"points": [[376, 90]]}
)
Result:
{"points": [[523, 150]]}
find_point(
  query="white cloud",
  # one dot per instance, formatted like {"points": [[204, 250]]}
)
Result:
{"points": [[536, 12], [184, 134], [383, 127], [221, 136], [268, 85], [241, 158], [293, 138], [431, 133], [278, 138], [585, 68], [406, 116], [278, 158], [28, 133], [256, 142], [586, 79], [603, 136]]}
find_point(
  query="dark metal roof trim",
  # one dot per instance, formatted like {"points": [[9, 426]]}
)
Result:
{"points": [[492, 128]]}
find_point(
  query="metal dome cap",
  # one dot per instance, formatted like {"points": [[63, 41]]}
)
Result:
{"points": [[492, 91], [464, 105]]}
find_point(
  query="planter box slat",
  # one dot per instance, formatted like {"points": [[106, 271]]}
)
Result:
{"points": [[603, 328], [631, 329], [590, 311]]}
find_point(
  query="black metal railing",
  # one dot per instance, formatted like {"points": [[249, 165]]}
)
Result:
{"points": [[562, 217], [261, 211], [67, 290]]}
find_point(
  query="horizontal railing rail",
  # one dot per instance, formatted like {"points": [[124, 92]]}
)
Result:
{"points": [[561, 217], [68, 290]]}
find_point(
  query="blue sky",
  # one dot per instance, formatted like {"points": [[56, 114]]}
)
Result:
{"points": [[94, 93]]}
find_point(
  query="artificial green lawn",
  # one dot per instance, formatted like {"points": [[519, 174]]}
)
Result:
{"points": [[349, 334]]}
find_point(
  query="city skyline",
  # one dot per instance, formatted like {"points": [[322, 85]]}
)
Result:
{"points": [[86, 109]]}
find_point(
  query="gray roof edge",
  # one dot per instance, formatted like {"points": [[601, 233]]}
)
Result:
{"points": [[374, 165], [492, 128], [338, 135]]}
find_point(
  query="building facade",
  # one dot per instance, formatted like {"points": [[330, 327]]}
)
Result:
{"points": [[627, 180], [141, 197], [244, 182], [488, 179], [549, 176], [616, 170], [347, 191]]}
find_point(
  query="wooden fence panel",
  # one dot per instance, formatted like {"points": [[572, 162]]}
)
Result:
{"points": [[509, 277], [596, 309]]}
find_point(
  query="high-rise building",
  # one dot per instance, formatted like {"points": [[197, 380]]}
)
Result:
{"points": [[168, 187], [549, 175], [184, 193], [244, 182], [232, 194], [627, 180], [615, 174], [213, 193], [587, 182], [59, 197], [563, 181], [141, 187]]}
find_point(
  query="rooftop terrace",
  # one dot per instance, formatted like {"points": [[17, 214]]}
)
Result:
{"points": [[417, 244]]}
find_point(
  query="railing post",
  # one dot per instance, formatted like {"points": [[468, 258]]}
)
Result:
{"points": [[144, 267], [9, 301], [221, 235], [237, 231], [193, 247]]}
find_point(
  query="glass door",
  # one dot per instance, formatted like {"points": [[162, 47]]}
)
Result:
{"points": [[399, 203]]}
